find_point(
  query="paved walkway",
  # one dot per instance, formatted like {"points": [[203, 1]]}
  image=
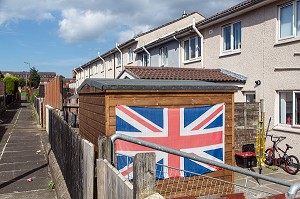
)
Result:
{"points": [[22, 156], [267, 186]]}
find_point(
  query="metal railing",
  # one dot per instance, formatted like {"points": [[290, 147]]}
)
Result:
{"points": [[293, 188]]}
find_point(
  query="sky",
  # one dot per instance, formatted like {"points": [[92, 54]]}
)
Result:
{"points": [[60, 35]]}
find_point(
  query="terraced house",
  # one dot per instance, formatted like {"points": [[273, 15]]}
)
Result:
{"points": [[256, 39]]}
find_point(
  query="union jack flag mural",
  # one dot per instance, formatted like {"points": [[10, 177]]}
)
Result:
{"points": [[198, 130]]}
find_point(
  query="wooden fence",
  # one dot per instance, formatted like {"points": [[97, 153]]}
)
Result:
{"points": [[74, 155]]}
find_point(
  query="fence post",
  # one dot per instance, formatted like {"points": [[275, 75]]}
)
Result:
{"points": [[144, 175], [88, 169], [104, 148]]}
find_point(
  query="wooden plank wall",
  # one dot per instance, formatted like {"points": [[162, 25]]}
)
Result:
{"points": [[98, 117], [92, 117]]}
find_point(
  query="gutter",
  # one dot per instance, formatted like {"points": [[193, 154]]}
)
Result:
{"points": [[147, 53], [121, 54], [202, 42], [103, 61]]}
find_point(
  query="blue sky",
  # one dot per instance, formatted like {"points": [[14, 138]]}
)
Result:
{"points": [[59, 35]]}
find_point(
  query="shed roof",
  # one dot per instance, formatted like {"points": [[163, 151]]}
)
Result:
{"points": [[171, 73], [143, 84]]}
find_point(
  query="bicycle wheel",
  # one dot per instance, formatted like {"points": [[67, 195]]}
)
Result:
{"points": [[270, 157], [292, 165]]}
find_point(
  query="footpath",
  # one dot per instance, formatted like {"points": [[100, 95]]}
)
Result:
{"points": [[23, 161]]}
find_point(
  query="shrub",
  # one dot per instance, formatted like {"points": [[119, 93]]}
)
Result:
{"points": [[11, 83]]}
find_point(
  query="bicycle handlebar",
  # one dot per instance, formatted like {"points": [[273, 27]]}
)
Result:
{"points": [[277, 139]]}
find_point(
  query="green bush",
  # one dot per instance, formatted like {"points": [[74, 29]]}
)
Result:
{"points": [[11, 84]]}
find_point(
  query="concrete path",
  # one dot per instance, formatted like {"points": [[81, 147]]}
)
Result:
{"points": [[270, 187], [22, 156]]}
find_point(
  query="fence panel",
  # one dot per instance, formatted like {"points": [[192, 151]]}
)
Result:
{"points": [[67, 147]]}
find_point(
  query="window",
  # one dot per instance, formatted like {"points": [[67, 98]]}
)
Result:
{"points": [[163, 56], [109, 63], [249, 97], [102, 67], [231, 37], [130, 55], [289, 108], [289, 20], [144, 59], [192, 48], [119, 59], [91, 70]]}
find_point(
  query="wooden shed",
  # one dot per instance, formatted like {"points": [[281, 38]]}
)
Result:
{"points": [[98, 98]]}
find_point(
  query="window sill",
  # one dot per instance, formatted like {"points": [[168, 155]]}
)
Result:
{"points": [[235, 52], [118, 66], [130, 62], [287, 128], [109, 69], [192, 61], [287, 41]]}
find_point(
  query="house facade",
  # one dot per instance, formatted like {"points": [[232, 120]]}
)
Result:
{"points": [[258, 39], [111, 63]]}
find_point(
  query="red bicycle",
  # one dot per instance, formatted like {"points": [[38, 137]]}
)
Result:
{"points": [[289, 163]]}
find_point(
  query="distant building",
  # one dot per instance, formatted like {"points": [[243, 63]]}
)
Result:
{"points": [[45, 76]]}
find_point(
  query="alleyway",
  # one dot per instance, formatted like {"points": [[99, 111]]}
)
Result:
{"points": [[23, 161]]}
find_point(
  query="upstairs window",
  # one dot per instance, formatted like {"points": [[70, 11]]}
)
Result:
{"points": [[130, 55], [163, 56], [109, 63], [119, 59], [144, 59], [192, 48], [289, 20], [102, 67], [231, 37]]}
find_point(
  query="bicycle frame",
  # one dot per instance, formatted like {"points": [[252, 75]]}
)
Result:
{"points": [[281, 158]]}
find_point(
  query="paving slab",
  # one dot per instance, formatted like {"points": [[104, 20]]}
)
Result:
{"points": [[36, 194], [23, 157]]}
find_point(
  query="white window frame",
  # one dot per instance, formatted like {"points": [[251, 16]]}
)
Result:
{"points": [[163, 56], [232, 38], [249, 93], [101, 67], [293, 121], [119, 59], [130, 55], [91, 70], [144, 59], [294, 22], [109, 63], [197, 49]]}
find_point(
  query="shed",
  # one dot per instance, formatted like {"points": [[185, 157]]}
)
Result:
{"points": [[98, 98]]}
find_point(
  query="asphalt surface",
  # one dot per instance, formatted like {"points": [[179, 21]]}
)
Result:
{"points": [[23, 161]]}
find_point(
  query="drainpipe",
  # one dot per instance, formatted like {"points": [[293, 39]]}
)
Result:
{"points": [[103, 61], [147, 53], [76, 80], [121, 54], [202, 42], [179, 47]]}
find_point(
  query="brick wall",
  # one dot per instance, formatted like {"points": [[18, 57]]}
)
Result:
{"points": [[246, 116]]}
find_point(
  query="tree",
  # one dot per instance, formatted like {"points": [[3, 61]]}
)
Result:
{"points": [[34, 77], [11, 84], [22, 82]]}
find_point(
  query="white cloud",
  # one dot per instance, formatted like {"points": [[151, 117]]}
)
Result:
{"points": [[84, 25], [97, 20]]}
